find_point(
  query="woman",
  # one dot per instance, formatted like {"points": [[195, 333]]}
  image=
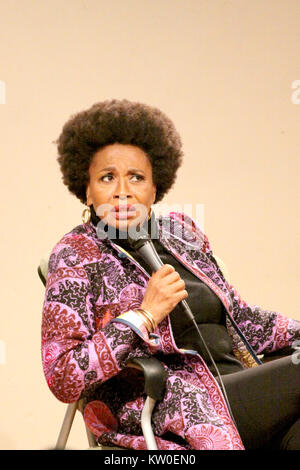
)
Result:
{"points": [[104, 306]]}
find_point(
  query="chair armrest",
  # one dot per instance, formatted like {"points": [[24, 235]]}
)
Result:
{"points": [[41, 275], [154, 373]]}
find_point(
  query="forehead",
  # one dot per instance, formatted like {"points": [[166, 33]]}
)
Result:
{"points": [[121, 156]]}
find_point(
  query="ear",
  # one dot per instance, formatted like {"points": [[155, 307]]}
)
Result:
{"points": [[154, 194], [88, 196]]}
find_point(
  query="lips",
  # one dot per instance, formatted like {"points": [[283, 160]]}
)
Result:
{"points": [[126, 208], [126, 211]]}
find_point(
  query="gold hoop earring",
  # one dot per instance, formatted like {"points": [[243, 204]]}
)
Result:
{"points": [[86, 215]]}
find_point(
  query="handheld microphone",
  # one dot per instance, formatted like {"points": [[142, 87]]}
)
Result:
{"points": [[143, 245]]}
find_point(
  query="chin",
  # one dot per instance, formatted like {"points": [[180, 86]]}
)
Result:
{"points": [[125, 224]]}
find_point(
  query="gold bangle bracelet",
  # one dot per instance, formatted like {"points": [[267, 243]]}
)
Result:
{"points": [[148, 316], [146, 321]]}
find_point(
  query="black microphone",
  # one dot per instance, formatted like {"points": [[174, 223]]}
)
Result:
{"points": [[143, 245]]}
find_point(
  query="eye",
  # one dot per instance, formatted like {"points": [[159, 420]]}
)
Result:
{"points": [[138, 177], [108, 175], [134, 177]]}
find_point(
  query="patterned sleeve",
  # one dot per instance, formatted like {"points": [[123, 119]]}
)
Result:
{"points": [[74, 353], [266, 331]]}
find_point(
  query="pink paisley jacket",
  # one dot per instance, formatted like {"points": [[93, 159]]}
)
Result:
{"points": [[86, 342]]}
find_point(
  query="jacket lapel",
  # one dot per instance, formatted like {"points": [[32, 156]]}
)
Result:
{"points": [[189, 254]]}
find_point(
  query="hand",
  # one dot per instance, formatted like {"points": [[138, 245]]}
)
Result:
{"points": [[164, 291]]}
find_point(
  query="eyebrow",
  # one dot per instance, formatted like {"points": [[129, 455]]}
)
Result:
{"points": [[109, 168]]}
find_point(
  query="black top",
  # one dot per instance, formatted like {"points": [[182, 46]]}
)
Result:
{"points": [[206, 306]]}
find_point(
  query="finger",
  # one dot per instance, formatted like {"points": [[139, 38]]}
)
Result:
{"points": [[166, 269], [177, 286], [163, 271], [171, 278]]}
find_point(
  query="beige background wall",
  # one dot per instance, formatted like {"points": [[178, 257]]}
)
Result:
{"points": [[223, 71]]}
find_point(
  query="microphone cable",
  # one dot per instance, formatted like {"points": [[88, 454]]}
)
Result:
{"points": [[191, 317]]}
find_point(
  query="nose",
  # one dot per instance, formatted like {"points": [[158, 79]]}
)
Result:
{"points": [[122, 190]]}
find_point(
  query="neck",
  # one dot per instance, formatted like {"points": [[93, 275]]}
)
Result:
{"points": [[120, 236]]}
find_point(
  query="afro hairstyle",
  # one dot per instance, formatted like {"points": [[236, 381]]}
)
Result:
{"points": [[124, 122]]}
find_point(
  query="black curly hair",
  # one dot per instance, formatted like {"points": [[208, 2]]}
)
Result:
{"points": [[124, 122]]}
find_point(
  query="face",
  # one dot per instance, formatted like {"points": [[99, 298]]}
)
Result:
{"points": [[120, 187]]}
